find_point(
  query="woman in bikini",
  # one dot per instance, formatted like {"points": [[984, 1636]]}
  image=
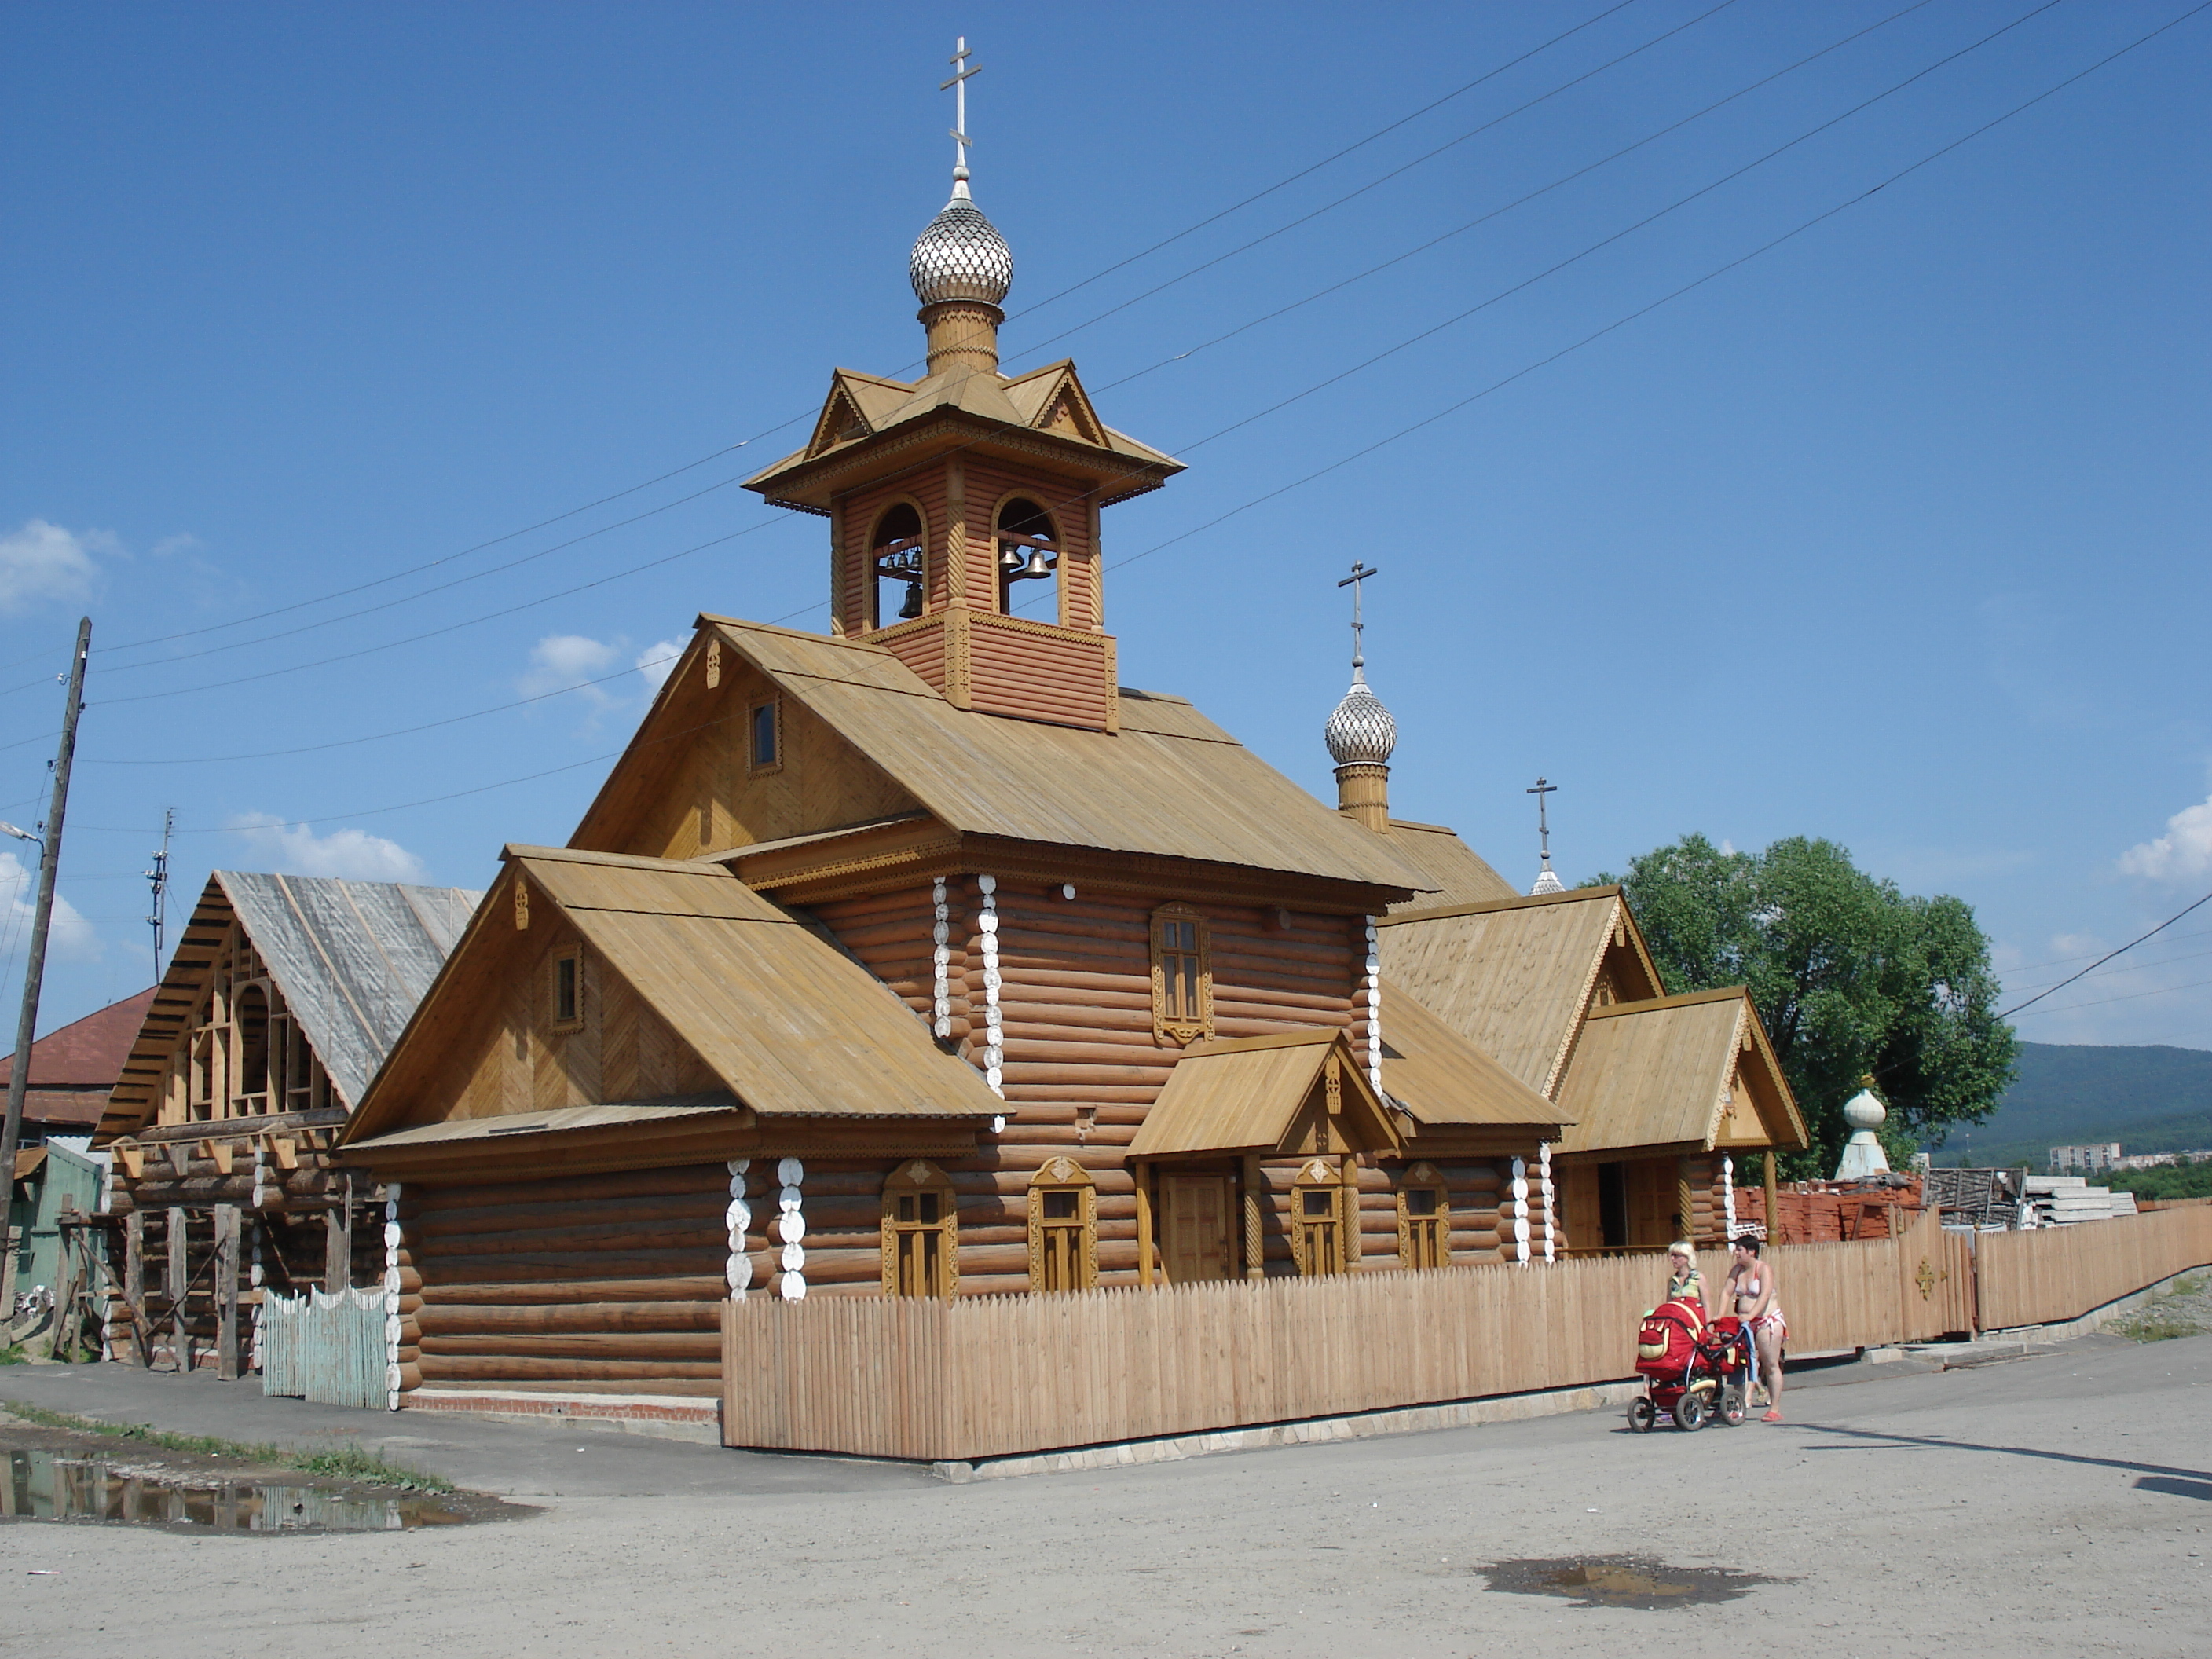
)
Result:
{"points": [[1751, 1284]]}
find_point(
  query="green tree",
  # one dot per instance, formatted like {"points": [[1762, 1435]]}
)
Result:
{"points": [[1852, 977]]}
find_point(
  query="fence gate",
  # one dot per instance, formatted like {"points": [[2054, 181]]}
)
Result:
{"points": [[327, 1348]]}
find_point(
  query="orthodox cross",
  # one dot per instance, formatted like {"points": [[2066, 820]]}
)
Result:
{"points": [[959, 88], [1543, 823], [1361, 573]]}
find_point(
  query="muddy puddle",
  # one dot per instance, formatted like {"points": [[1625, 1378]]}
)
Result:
{"points": [[44, 1483], [1621, 1581]]}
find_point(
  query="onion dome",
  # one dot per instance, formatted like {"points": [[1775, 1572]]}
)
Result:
{"points": [[1548, 881], [1862, 1154], [960, 254], [1361, 731]]}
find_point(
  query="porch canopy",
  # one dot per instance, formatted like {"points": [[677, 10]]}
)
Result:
{"points": [[1297, 1094]]}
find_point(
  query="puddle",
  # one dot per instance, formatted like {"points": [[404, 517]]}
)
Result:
{"points": [[45, 1485], [1621, 1581]]}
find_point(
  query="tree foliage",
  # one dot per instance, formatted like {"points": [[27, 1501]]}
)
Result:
{"points": [[1851, 977]]}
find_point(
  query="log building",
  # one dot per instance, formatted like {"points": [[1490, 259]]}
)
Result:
{"points": [[277, 1007], [925, 958]]}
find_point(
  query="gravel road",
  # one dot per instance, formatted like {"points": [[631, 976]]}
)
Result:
{"points": [[2055, 1504]]}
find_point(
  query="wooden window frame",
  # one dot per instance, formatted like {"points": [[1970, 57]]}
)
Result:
{"points": [[1424, 1178], [1318, 1177], [1064, 1176], [1181, 1029], [756, 767], [918, 1179], [555, 1020]]}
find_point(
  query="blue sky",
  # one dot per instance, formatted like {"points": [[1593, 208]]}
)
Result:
{"points": [[1894, 534]]}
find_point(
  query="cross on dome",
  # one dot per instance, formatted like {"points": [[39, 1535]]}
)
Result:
{"points": [[960, 254], [1548, 881], [1361, 732]]}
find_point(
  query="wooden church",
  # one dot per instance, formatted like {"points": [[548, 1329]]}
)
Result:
{"points": [[925, 958]]}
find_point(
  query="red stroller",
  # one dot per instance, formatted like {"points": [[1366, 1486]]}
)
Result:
{"points": [[1693, 1371]]}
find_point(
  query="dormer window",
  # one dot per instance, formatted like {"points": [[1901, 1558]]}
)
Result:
{"points": [[898, 568], [1029, 547]]}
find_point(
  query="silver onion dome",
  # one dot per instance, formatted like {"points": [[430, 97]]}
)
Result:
{"points": [[1361, 729], [961, 256]]}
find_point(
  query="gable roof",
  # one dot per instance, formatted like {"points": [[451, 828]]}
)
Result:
{"points": [[352, 958], [1455, 873], [1658, 1073], [1249, 1095], [1444, 1080], [790, 1025], [1170, 783], [1512, 976], [87, 1053]]}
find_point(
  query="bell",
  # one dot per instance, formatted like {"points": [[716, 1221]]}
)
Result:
{"points": [[1036, 568], [1010, 556], [912, 607]]}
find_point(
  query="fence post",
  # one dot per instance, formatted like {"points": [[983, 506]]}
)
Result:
{"points": [[226, 1292], [180, 1280], [134, 1287]]}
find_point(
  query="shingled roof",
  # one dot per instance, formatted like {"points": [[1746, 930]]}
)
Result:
{"points": [[72, 1069]]}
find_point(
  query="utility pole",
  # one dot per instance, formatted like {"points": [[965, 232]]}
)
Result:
{"points": [[50, 851], [158, 878]]}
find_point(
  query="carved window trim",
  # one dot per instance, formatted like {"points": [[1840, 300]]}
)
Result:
{"points": [[1172, 1021], [1322, 1224], [917, 1181], [564, 992], [1423, 1233], [772, 706], [1068, 1239]]}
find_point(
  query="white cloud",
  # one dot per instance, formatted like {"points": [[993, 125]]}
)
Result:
{"points": [[2183, 853], [563, 662], [657, 662], [296, 850], [183, 542], [69, 936], [43, 561]]}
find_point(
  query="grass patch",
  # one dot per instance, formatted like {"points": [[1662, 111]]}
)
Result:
{"points": [[2157, 1328], [12, 1354], [347, 1462]]}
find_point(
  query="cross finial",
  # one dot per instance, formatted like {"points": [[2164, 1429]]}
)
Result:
{"points": [[1361, 573], [962, 68], [1547, 880]]}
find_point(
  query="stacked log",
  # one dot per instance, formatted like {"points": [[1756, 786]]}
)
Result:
{"points": [[602, 1283]]}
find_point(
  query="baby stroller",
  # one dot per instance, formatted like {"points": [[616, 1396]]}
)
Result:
{"points": [[1692, 1370]]}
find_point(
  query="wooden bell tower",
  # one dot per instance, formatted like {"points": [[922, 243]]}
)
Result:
{"points": [[964, 508]]}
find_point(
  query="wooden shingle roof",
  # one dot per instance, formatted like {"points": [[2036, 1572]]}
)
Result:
{"points": [[1659, 1073], [1254, 1095], [1444, 1080]]}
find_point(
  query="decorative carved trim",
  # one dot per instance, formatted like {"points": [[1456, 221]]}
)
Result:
{"points": [[827, 476], [1186, 1026], [1422, 1177], [1062, 1175], [714, 662], [911, 1179], [522, 905], [1316, 1175]]}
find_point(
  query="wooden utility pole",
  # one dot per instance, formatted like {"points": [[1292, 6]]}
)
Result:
{"points": [[50, 858]]}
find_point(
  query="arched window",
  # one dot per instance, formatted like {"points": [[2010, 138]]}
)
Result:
{"points": [[1182, 975], [249, 1089], [921, 1237], [896, 567], [1029, 547], [1063, 1227], [1317, 1219], [1424, 1218]]}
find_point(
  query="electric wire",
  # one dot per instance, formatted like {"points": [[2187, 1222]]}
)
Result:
{"points": [[2123, 948]]}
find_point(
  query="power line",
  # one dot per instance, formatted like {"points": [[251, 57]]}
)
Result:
{"points": [[2143, 968], [2159, 991], [2060, 962], [2163, 925]]}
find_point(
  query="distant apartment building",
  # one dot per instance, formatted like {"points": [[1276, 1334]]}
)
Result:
{"points": [[2104, 1156]]}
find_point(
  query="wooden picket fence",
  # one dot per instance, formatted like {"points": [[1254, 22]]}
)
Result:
{"points": [[984, 1377], [2062, 1273], [325, 1348]]}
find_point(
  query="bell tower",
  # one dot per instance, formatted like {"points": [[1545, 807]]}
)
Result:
{"points": [[964, 508]]}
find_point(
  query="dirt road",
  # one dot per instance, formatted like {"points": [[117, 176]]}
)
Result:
{"points": [[2058, 1504]]}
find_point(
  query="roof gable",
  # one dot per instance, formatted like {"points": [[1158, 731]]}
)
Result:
{"points": [[1443, 1080], [1663, 1072], [87, 1053], [1287, 1096]]}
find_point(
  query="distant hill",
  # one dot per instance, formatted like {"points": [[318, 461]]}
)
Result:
{"points": [[2150, 1099]]}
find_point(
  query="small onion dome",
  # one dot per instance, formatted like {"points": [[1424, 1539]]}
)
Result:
{"points": [[1863, 1111], [1361, 729], [961, 256], [1548, 881]]}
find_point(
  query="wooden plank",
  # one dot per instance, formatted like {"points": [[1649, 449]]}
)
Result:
{"points": [[226, 1292]]}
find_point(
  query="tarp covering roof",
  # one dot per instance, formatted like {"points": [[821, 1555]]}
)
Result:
{"points": [[1659, 1073]]}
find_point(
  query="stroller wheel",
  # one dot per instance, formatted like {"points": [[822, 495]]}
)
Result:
{"points": [[1691, 1412], [1641, 1415], [1732, 1409]]}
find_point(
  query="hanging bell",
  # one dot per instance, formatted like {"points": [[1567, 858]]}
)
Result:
{"points": [[1010, 556], [1037, 568], [912, 607]]}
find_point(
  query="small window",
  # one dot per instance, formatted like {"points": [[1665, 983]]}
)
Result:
{"points": [[1317, 1220], [766, 749], [1029, 549], [898, 568], [567, 988], [1182, 975], [1063, 1227], [1423, 1219], [920, 1236]]}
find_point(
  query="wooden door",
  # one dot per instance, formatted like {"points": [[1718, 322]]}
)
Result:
{"points": [[1196, 1213]]}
